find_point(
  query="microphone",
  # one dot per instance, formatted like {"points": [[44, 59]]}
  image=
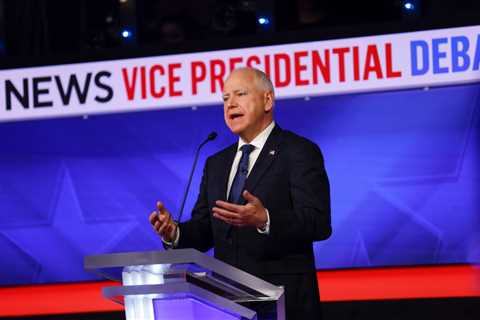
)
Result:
{"points": [[212, 136]]}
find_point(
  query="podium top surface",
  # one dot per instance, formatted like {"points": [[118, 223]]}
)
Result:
{"points": [[188, 265]]}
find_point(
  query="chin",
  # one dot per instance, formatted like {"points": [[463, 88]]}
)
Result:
{"points": [[236, 128]]}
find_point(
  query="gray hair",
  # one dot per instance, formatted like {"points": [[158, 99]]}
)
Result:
{"points": [[263, 81]]}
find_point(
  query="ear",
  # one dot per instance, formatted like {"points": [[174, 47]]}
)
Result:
{"points": [[268, 101]]}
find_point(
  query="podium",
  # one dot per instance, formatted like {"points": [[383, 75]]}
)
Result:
{"points": [[185, 284]]}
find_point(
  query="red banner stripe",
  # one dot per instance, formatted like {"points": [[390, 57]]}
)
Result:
{"points": [[335, 285]]}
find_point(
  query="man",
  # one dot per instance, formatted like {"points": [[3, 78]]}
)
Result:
{"points": [[262, 201]]}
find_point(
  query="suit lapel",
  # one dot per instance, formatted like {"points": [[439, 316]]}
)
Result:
{"points": [[224, 173], [265, 159], [225, 170]]}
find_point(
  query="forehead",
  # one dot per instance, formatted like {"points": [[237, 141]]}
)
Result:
{"points": [[239, 80]]}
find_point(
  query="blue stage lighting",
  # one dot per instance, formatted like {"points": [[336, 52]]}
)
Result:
{"points": [[126, 33], [409, 6], [263, 20]]}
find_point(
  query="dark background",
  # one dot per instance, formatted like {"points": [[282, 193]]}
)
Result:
{"points": [[51, 31]]}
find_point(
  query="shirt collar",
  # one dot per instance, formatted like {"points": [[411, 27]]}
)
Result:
{"points": [[259, 141]]}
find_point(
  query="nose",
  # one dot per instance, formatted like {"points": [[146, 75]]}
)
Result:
{"points": [[230, 103]]}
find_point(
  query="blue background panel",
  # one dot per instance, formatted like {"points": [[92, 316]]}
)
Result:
{"points": [[404, 169]]}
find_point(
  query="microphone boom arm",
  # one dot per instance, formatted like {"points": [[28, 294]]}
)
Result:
{"points": [[211, 136]]}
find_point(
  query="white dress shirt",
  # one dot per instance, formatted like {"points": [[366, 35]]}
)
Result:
{"points": [[258, 142]]}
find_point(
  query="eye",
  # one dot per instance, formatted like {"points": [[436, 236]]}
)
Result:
{"points": [[242, 93]]}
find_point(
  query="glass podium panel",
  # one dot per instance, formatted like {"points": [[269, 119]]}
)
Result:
{"points": [[156, 281], [188, 308]]}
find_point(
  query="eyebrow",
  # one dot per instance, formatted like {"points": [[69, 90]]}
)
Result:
{"points": [[234, 91]]}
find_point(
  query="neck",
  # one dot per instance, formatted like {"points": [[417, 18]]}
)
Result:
{"points": [[250, 135]]}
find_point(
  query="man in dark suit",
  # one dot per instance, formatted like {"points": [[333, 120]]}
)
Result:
{"points": [[263, 201]]}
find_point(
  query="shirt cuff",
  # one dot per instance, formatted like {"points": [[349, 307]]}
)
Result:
{"points": [[266, 228], [174, 244]]}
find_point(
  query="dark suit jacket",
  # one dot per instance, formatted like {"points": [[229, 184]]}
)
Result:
{"points": [[290, 180]]}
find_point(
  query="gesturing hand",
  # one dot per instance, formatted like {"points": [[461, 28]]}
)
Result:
{"points": [[163, 223], [253, 213]]}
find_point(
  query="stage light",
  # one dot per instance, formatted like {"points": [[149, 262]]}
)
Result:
{"points": [[409, 6], [126, 33], [263, 20]]}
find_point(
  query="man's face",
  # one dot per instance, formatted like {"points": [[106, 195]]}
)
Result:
{"points": [[247, 108]]}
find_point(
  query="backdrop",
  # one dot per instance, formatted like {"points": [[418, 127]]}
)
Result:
{"points": [[403, 167]]}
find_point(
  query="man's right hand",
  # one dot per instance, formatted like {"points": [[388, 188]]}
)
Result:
{"points": [[163, 223]]}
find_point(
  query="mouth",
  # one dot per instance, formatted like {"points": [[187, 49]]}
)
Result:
{"points": [[234, 116]]}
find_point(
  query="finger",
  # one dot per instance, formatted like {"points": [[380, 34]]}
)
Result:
{"points": [[233, 222], [238, 224], [222, 218], [171, 230], [225, 213], [163, 217], [170, 224], [162, 229], [230, 220], [153, 217], [170, 219], [229, 206], [249, 197], [161, 208], [226, 219], [168, 228]]}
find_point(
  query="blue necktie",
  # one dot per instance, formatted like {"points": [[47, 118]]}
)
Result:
{"points": [[238, 183]]}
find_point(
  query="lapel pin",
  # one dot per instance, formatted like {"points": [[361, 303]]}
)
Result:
{"points": [[272, 152]]}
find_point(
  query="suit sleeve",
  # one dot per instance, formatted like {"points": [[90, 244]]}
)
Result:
{"points": [[308, 219], [197, 232]]}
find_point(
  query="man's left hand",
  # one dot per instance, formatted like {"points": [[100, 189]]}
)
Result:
{"points": [[253, 213]]}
